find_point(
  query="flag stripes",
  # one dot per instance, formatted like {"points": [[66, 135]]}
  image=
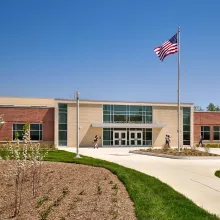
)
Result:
{"points": [[167, 48]]}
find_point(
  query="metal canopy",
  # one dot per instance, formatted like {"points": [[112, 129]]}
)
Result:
{"points": [[127, 125]]}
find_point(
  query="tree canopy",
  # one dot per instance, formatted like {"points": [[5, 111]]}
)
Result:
{"points": [[211, 107]]}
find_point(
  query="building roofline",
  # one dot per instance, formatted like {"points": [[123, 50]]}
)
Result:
{"points": [[22, 97], [117, 101], [98, 101]]}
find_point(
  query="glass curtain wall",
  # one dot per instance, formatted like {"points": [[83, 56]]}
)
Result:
{"points": [[62, 124], [127, 114], [186, 125]]}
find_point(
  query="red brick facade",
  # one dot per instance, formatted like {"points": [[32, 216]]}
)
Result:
{"points": [[30, 115], [205, 119]]}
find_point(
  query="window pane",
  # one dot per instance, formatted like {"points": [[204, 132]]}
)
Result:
{"points": [[41, 127], [106, 112], [106, 107], [148, 143], [62, 143], [216, 136], [106, 118], [34, 127], [186, 119], [120, 118], [35, 135], [107, 143], [206, 135], [186, 136], [186, 128], [64, 106], [186, 142], [148, 136], [144, 135], [41, 136], [148, 108], [106, 135], [135, 113], [120, 108], [18, 127], [186, 110], [136, 118], [63, 135], [148, 119], [216, 128], [120, 113], [20, 135], [206, 128], [136, 108], [62, 126], [62, 118]]}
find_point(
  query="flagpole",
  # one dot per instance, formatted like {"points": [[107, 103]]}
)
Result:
{"points": [[178, 40]]}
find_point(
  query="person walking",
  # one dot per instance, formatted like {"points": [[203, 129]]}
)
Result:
{"points": [[200, 141], [96, 142], [168, 140]]}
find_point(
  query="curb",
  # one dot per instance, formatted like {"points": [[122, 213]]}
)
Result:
{"points": [[176, 157]]}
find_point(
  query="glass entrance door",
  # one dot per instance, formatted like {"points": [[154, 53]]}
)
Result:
{"points": [[135, 138], [120, 138]]}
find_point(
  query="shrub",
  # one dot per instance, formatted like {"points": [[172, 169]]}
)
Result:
{"points": [[42, 146], [210, 145]]}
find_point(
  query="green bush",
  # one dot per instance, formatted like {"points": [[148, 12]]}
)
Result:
{"points": [[210, 145]]}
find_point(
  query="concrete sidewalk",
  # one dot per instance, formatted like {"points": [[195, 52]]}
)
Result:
{"points": [[193, 178]]}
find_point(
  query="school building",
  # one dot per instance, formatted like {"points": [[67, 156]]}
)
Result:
{"points": [[116, 123]]}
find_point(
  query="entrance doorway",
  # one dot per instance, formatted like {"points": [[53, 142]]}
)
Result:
{"points": [[120, 138], [135, 138]]}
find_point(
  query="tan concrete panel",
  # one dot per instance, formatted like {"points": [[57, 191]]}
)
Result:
{"points": [[168, 116], [71, 125], [88, 114], [27, 101]]}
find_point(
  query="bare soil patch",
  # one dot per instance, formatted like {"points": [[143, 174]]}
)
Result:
{"points": [[68, 191], [174, 152]]}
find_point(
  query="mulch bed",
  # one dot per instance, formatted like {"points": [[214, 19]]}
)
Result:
{"points": [[72, 191], [174, 152]]}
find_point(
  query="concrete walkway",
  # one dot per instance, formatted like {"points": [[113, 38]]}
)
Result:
{"points": [[193, 178]]}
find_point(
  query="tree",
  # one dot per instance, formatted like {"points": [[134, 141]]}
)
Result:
{"points": [[198, 109], [217, 108], [211, 107]]}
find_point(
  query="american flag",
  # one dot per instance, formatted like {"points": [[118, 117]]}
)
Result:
{"points": [[167, 48]]}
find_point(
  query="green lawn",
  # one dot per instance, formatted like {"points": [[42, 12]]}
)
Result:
{"points": [[217, 173], [152, 198]]}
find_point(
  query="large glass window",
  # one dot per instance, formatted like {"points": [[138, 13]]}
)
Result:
{"points": [[62, 124], [19, 130], [205, 132], [36, 131], [186, 125], [127, 114], [216, 133]]}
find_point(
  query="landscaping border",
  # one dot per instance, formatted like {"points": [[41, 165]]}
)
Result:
{"points": [[175, 157]]}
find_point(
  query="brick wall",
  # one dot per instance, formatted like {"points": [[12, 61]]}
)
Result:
{"points": [[30, 115], [205, 119]]}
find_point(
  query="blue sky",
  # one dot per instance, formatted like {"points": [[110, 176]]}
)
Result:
{"points": [[104, 49]]}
